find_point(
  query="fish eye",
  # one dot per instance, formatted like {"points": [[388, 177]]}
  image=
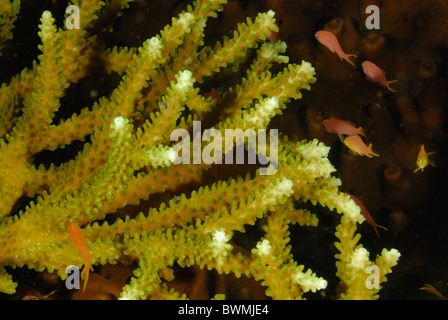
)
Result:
{"points": [[317, 36]]}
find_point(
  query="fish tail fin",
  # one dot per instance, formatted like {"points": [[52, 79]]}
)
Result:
{"points": [[85, 275], [361, 130], [376, 231], [348, 60], [388, 87], [375, 226], [373, 153]]}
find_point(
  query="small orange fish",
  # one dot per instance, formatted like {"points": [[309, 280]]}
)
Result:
{"points": [[355, 144], [334, 125], [79, 243], [423, 160], [331, 42], [366, 214], [376, 74]]}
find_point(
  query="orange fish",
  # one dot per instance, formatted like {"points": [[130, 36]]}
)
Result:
{"points": [[331, 42], [366, 214], [358, 146], [334, 125], [423, 160], [78, 241], [376, 74]]}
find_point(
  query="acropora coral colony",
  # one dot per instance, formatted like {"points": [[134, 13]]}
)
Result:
{"points": [[128, 156]]}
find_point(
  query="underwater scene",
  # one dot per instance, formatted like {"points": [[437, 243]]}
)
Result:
{"points": [[223, 149]]}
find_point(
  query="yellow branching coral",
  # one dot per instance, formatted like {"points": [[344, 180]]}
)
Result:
{"points": [[131, 155], [8, 14]]}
